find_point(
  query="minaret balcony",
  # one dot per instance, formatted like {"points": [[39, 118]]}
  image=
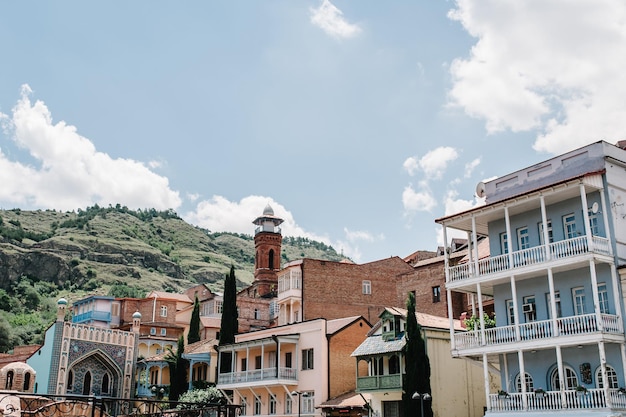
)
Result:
{"points": [[527, 260], [538, 334]]}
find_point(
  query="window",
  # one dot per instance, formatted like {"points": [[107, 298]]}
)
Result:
{"points": [[307, 359], [257, 406], [436, 294], [26, 382], [578, 299], [367, 287], [257, 362], [571, 380], [154, 376], [378, 366], [593, 223], [105, 384], [244, 404], [272, 405], [244, 364], [163, 332], [288, 404], [529, 382], [9, 382], [394, 365], [603, 297], [308, 403], [163, 311], [288, 358], [504, 243], [510, 309], [611, 376], [557, 302], [523, 241], [529, 308], [550, 236], [569, 226], [271, 359], [257, 314], [87, 383], [70, 381], [152, 331]]}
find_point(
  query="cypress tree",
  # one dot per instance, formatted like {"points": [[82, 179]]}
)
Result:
{"points": [[230, 322], [178, 370], [194, 323], [417, 372]]}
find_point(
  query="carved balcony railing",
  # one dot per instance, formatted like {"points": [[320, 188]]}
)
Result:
{"points": [[379, 382], [538, 330], [532, 256], [550, 401]]}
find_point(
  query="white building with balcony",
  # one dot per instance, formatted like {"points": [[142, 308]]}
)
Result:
{"points": [[557, 240]]}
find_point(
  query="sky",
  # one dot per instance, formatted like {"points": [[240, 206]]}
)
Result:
{"points": [[359, 122]]}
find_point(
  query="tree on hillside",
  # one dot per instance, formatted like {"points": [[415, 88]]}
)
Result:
{"points": [[178, 370], [230, 322], [194, 323], [417, 373]]}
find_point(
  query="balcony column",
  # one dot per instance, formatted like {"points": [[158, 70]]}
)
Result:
{"points": [[473, 271], [616, 295], [481, 315], [596, 298], [544, 222], [486, 380], [474, 246], [446, 262], [562, 381], [518, 336], [262, 360], [509, 239], [446, 255], [522, 375], [583, 199], [555, 325], [605, 381], [623, 352], [450, 319]]}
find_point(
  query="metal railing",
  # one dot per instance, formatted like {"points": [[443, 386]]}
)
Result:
{"points": [[15, 404], [531, 256]]}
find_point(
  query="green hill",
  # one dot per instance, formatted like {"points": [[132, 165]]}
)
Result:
{"points": [[48, 254]]}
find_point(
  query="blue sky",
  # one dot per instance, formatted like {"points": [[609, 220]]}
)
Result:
{"points": [[360, 122]]}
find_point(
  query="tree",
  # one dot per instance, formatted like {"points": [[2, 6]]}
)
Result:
{"points": [[230, 322], [178, 370], [194, 323], [417, 372]]}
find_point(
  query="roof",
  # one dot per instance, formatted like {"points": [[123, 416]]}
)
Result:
{"points": [[201, 346], [375, 345], [333, 326], [348, 400], [425, 320], [170, 296]]}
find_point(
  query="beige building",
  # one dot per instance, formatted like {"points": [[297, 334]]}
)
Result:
{"points": [[456, 384]]}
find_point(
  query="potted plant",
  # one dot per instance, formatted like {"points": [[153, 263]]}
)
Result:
{"points": [[621, 391], [580, 390], [539, 393], [503, 394]]}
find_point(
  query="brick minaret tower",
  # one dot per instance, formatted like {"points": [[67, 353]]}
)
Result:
{"points": [[267, 245]]}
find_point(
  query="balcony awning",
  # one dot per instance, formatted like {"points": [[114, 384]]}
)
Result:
{"points": [[375, 345]]}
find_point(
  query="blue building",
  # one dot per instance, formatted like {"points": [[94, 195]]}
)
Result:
{"points": [[556, 236]]}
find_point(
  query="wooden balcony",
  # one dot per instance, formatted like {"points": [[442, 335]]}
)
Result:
{"points": [[561, 251], [266, 376], [379, 382], [552, 401], [539, 331]]}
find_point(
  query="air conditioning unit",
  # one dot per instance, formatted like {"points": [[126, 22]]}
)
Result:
{"points": [[528, 308]]}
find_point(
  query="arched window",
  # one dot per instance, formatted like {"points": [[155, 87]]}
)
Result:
{"points": [[611, 376], [87, 384], [394, 365], [571, 379], [9, 383], [530, 387], [70, 381], [105, 384], [271, 259], [26, 381], [378, 366]]}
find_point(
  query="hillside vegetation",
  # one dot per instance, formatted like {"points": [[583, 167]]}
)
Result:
{"points": [[116, 251]]}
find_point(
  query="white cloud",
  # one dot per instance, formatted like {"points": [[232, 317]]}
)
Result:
{"points": [[470, 166], [356, 235], [421, 200], [435, 162], [551, 66], [411, 165], [330, 19], [72, 173], [193, 196], [219, 214]]}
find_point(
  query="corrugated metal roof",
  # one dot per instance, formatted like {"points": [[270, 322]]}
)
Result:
{"points": [[375, 345]]}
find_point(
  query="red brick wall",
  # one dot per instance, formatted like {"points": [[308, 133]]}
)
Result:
{"points": [[334, 290], [342, 375]]}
